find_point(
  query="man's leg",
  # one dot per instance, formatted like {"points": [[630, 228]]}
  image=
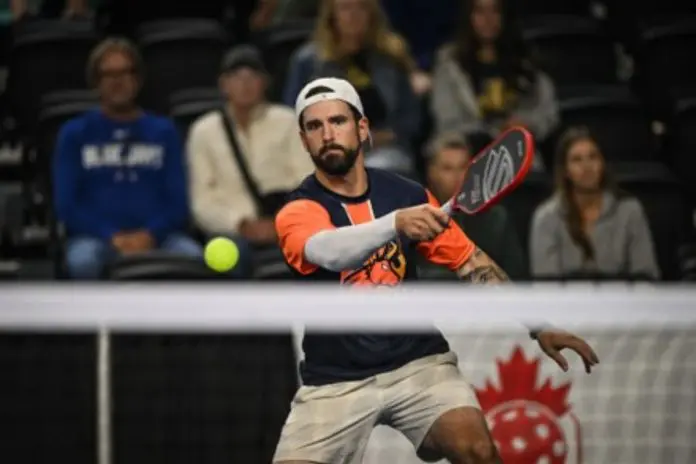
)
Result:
{"points": [[437, 410], [461, 436], [86, 257], [183, 245], [329, 424]]}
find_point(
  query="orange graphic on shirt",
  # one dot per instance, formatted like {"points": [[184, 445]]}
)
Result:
{"points": [[387, 266]]}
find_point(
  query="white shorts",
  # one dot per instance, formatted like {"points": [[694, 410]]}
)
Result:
{"points": [[331, 424]]}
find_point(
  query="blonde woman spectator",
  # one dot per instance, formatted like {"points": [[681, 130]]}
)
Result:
{"points": [[485, 81], [353, 41], [589, 227]]}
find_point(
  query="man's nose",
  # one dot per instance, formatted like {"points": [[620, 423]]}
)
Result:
{"points": [[328, 132]]}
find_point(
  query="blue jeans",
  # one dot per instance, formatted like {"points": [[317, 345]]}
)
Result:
{"points": [[86, 257]]}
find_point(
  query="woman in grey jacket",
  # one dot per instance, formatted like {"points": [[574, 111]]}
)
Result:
{"points": [[485, 81], [589, 226]]}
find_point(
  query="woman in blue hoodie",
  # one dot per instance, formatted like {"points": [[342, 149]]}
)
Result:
{"points": [[118, 173]]}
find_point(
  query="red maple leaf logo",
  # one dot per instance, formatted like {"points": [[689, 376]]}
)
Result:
{"points": [[518, 378], [524, 417]]}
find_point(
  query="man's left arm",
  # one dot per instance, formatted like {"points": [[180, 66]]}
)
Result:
{"points": [[455, 250]]}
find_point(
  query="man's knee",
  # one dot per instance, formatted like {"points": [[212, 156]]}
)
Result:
{"points": [[85, 258], [461, 436]]}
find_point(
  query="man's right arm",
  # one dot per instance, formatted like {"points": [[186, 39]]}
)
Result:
{"points": [[309, 239]]}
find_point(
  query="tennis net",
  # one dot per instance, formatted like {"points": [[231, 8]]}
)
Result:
{"points": [[161, 373]]}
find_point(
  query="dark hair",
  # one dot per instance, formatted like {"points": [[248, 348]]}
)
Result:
{"points": [[111, 45], [318, 90], [515, 59], [564, 187]]}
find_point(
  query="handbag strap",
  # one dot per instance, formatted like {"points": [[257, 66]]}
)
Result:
{"points": [[239, 157]]}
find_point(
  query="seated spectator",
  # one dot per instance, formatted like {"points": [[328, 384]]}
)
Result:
{"points": [[589, 226], [269, 149], [352, 41], [118, 174], [486, 81], [448, 157]]}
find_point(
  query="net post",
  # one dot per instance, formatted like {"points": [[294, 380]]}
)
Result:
{"points": [[103, 396]]}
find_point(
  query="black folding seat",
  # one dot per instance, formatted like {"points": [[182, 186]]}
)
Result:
{"points": [[617, 119], [188, 105], [523, 8], [179, 54], [278, 43], [664, 60], [46, 59], [663, 200], [680, 149], [572, 50], [56, 109]]}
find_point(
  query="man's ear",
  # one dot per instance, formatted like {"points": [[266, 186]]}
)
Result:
{"points": [[364, 129]]}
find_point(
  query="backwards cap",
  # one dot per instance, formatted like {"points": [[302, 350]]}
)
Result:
{"points": [[340, 90]]}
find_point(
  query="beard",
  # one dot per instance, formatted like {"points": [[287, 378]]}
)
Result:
{"points": [[335, 164]]}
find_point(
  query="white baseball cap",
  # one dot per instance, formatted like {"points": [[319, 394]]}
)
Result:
{"points": [[341, 89]]}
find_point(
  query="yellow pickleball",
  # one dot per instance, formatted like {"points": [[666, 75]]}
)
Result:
{"points": [[221, 254]]}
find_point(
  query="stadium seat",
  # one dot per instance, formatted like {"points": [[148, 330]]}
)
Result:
{"points": [[269, 264], [572, 50], [523, 201], [687, 261], [543, 7], [681, 143], [188, 105], [277, 44], [663, 62], [56, 109], [44, 60], [179, 55], [617, 119], [158, 265], [662, 198]]}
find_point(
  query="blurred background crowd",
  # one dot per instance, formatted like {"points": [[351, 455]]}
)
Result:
{"points": [[132, 132]]}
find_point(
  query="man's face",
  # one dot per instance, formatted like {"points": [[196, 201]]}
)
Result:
{"points": [[117, 81], [446, 172], [243, 87], [332, 136]]}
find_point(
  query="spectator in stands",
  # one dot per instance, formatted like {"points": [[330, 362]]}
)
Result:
{"points": [[119, 178], [448, 156], [589, 226], [486, 81], [352, 41], [269, 149]]}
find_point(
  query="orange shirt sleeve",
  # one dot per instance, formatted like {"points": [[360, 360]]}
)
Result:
{"points": [[295, 223], [452, 248]]}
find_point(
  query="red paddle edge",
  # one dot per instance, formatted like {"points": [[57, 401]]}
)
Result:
{"points": [[516, 181]]}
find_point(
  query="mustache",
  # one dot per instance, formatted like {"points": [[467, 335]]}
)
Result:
{"points": [[331, 146]]}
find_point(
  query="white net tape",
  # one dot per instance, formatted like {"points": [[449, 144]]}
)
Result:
{"points": [[638, 407]]}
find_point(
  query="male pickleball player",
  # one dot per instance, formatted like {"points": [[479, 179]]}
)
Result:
{"points": [[352, 225]]}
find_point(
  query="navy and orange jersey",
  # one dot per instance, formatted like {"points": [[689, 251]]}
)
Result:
{"points": [[312, 208]]}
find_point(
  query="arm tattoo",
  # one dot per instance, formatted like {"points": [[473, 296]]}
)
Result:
{"points": [[481, 269]]}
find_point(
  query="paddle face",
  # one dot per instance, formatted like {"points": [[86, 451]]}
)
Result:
{"points": [[494, 172]]}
